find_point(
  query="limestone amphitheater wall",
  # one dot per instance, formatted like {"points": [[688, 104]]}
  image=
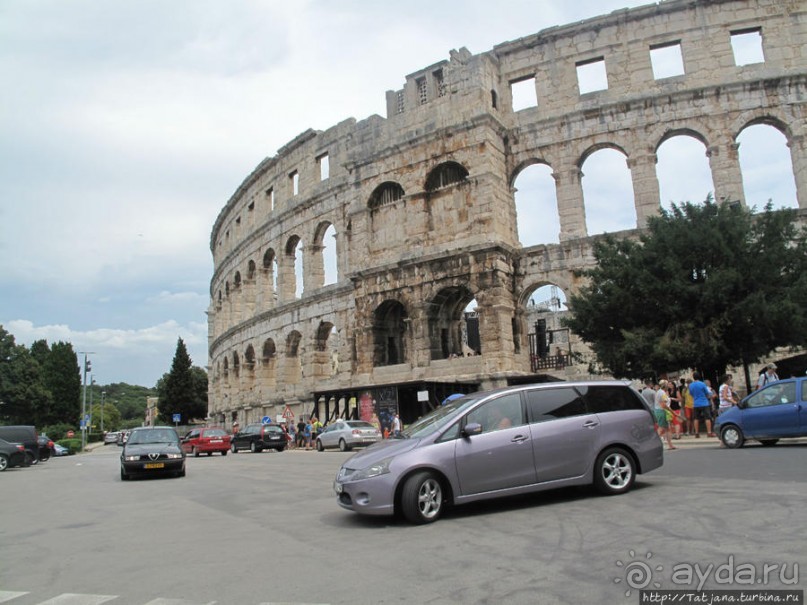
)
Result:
{"points": [[419, 206]]}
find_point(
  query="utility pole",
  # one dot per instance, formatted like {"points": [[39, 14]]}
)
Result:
{"points": [[86, 368], [103, 402]]}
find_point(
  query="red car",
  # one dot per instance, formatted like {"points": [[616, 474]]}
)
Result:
{"points": [[206, 441]]}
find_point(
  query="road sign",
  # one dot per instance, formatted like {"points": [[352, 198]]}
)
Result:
{"points": [[177, 417], [288, 414], [266, 420]]}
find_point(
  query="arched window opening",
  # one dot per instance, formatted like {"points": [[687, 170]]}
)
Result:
{"points": [[537, 214], [678, 155], [389, 333], [227, 289], [294, 252], [767, 167], [237, 280], [608, 192], [251, 270], [226, 368], [448, 329], [385, 193], [293, 344], [236, 365], [249, 358], [329, 257], [324, 332], [269, 350], [444, 175]]}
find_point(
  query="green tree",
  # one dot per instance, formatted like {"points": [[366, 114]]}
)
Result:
{"points": [[706, 286], [179, 390], [62, 378], [22, 394]]}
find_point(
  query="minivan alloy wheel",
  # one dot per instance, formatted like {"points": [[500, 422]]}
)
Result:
{"points": [[615, 471], [422, 498]]}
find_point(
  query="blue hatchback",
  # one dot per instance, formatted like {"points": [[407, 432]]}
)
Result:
{"points": [[775, 411]]}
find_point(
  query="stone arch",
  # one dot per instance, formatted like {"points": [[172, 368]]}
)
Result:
{"points": [[293, 270], [268, 359], [608, 196], [389, 333], [542, 307], [535, 197], [445, 174], [445, 315], [251, 270], [236, 364], [683, 151], [249, 357], [324, 331], [293, 363], [270, 273], [764, 147], [324, 259], [237, 280], [226, 369]]}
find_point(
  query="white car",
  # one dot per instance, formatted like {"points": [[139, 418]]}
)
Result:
{"points": [[346, 434]]}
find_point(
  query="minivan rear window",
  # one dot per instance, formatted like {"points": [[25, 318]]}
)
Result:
{"points": [[601, 398], [551, 404]]}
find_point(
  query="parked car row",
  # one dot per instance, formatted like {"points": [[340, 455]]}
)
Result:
{"points": [[24, 440]]}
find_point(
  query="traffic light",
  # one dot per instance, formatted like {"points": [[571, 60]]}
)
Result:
{"points": [[87, 366]]}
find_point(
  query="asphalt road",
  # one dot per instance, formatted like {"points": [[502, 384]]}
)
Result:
{"points": [[265, 528]]}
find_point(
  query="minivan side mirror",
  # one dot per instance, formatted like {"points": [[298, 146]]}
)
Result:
{"points": [[473, 428]]}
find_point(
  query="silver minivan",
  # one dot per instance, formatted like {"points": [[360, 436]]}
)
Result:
{"points": [[505, 442]]}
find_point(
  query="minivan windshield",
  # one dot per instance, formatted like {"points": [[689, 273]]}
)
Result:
{"points": [[439, 417]]}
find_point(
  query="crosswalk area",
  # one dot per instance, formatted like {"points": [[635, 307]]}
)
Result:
{"points": [[20, 598]]}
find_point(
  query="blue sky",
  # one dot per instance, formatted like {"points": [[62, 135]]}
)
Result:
{"points": [[127, 125]]}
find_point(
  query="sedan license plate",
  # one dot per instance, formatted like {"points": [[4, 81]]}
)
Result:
{"points": [[215, 441], [154, 465]]}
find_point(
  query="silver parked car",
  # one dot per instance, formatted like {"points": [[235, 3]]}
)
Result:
{"points": [[347, 434], [509, 441]]}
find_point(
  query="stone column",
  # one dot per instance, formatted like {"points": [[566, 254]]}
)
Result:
{"points": [[726, 174], [798, 157], [645, 187], [315, 275], [571, 209]]}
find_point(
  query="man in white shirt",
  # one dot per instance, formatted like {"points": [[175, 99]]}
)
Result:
{"points": [[768, 376]]}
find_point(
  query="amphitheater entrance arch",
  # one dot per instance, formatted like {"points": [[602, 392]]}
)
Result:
{"points": [[683, 153], [543, 309], [389, 333], [448, 323]]}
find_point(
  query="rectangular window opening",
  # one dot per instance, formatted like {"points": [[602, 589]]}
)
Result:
{"points": [[523, 93], [422, 90], [295, 182], [400, 101], [270, 196], [324, 166], [747, 46], [591, 75], [667, 60], [440, 83]]}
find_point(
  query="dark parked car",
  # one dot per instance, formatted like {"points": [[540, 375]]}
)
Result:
{"points": [[206, 440], [259, 437], [45, 447], [775, 411], [509, 441], [11, 454], [25, 435], [152, 451]]}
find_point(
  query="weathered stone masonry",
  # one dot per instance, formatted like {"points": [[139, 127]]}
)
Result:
{"points": [[422, 203]]}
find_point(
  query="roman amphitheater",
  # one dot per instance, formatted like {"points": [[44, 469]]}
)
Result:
{"points": [[378, 265]]}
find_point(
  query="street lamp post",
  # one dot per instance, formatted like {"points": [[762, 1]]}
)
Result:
{"points": [[103, 402], [86, 368]]}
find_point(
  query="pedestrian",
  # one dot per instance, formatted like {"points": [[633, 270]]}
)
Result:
{"points": [[712, 398], [649, 393], [307, 435], [301, 433], [292, 435], [701, 408], [396, 426], [688, 409], [726, 394], [675, 406], [768, 376], [661, 408]]}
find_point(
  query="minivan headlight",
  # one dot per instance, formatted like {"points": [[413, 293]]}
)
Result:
{"points": [[374, 470]]}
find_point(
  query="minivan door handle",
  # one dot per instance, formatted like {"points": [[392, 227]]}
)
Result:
{"points": [[590, 424], [519, 438]]}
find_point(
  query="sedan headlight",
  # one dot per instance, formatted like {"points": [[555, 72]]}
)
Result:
{"points": [[132, 458], [173, 456], [374, 470]]}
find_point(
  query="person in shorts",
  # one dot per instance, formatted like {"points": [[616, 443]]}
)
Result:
{"points": [[701, 405]]}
